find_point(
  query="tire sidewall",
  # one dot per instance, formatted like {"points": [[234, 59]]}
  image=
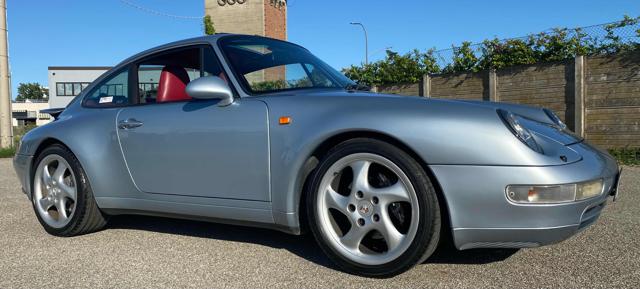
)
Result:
{"points": [[81, 184], [426, 197]]}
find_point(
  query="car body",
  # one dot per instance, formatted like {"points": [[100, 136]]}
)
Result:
{"points": [[248, 162]]}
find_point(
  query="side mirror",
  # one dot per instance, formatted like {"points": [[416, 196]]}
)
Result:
{"points": [[210, 87]]}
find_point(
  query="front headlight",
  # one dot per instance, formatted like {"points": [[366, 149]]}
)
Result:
{"points": [[555, 119], [550, 194], [522, 133]]}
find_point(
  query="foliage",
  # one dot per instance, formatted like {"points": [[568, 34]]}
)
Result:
{"points": [[18, 133], [7, 152], [556, 45], [395, 68], [269, 85], [31, 90], [626, 156], [207, 23], [464, 59]]}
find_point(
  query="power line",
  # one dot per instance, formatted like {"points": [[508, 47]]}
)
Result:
{"points": [[159, 13]]}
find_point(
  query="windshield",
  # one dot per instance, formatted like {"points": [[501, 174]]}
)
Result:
{"points": [[266, 65]]}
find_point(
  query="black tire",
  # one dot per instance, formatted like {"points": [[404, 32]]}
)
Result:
{"points": [[87, 217], [428, 232]]}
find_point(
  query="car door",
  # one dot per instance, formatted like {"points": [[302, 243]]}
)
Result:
{"points": [[174, 145]]}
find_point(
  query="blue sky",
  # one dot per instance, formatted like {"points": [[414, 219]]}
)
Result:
{"points": [[101, 33]]}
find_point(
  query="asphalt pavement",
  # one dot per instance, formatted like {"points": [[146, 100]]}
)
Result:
{"points": [[136, 252]]}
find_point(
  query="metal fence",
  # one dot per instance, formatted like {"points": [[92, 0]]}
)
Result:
{"points": [[624, 32]]}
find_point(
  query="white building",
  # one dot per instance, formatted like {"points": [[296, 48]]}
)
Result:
{"points": [[27, 112], [65, 82]]}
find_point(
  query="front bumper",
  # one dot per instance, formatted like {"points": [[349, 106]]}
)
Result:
{"points": [[482, 217], [22, 166]]}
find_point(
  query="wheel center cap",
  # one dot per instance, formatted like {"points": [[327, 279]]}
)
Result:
{"points": [[365, 208]]}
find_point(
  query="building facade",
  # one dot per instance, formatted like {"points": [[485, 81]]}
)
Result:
{"points": [[27, 112], [65, 82], [253, 17]]}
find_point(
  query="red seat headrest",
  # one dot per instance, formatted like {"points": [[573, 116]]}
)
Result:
{"points": [[172, 84]]}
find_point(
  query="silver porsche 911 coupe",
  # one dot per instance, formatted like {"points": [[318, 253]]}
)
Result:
{"points": [[251, 130]]}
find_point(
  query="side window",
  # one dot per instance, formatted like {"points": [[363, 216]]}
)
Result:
{"points": [[163, 77], [211, 65], [112, 92]]}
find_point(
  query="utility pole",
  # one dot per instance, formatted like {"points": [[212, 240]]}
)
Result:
{"points": [[366, 42], [6, 127]]}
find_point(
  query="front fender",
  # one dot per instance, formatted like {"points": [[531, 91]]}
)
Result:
{"points": [[440, 132]]}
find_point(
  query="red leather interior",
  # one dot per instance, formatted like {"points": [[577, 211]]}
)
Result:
{"points": [[224, 77], [173, 81]]}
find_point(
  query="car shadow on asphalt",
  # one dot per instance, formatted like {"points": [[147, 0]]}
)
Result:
{"points": [[449, 255], [303, 246]]}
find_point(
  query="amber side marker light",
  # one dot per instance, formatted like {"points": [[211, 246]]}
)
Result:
{"points": [[284, 120]]}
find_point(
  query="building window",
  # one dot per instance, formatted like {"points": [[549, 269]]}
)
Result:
{"points": [[70, 88]]}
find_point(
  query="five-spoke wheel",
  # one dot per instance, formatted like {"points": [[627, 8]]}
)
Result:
{"points": [[366, 205], [373, 209], [61, 195], [55, 191]]}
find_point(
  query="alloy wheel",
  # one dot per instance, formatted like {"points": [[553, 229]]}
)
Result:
{"points": [[368, 209], [55, 191]]}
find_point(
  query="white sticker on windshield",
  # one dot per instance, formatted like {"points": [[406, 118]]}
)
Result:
{"points": [[106, 99]]}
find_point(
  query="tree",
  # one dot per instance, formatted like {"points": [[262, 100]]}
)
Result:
{"points": [[208, 25], [31, 90]]}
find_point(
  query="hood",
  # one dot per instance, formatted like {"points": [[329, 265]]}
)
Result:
{"points": [[538, 121]]}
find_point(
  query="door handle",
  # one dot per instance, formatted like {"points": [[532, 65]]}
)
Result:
{"points": [[129, 123]]}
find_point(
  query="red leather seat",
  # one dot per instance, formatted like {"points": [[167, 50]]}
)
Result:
{"points": [[173, 81]]}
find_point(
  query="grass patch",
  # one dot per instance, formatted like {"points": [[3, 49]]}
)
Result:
{"points": [[18, 132], [8, 152], [626, 156]]}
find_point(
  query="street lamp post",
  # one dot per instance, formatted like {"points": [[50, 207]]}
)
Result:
{"points": [[366, 42]]}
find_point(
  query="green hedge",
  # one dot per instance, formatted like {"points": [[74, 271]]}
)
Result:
{"points": [[627, 156], [555, 45]]}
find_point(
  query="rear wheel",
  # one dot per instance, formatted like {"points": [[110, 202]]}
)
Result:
{"points": [[373, 209], [61, 196]]}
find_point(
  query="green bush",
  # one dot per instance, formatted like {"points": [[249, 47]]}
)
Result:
{"points": [[18, 132], [8, 152], [557, 45], [626, 156], [396, 68]]}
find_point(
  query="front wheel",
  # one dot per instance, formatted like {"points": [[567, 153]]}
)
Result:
{"points": [[373, 209], [61, 194]]}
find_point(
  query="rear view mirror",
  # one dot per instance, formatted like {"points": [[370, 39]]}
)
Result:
{"points": [[210, 87]]}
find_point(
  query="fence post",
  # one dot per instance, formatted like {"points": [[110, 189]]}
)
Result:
{"points": [[493, 85], [579, 112], [425, 86]]}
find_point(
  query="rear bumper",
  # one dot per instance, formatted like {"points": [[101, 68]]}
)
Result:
{"points": [[22, 166], [482, 217]]}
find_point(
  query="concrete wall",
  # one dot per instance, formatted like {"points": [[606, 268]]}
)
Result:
{"points": [[252, 17], [545, 85], [612, 100], [245, 18], [460, 86], [70, 74], [597, 97], [402, 89]]}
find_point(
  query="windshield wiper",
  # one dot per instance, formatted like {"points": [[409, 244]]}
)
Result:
{"points": [[357, 87]]}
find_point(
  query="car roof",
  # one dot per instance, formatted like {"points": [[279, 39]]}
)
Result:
{"points": [[200, 39], [195, 40]]}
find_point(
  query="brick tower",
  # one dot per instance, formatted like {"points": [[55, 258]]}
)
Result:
{"points": [[254, 17]]}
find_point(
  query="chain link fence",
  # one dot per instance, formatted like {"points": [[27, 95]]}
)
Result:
{"points": [[597, 39]]}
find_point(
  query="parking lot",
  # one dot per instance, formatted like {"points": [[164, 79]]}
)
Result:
{"points": [[153, 252]]}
